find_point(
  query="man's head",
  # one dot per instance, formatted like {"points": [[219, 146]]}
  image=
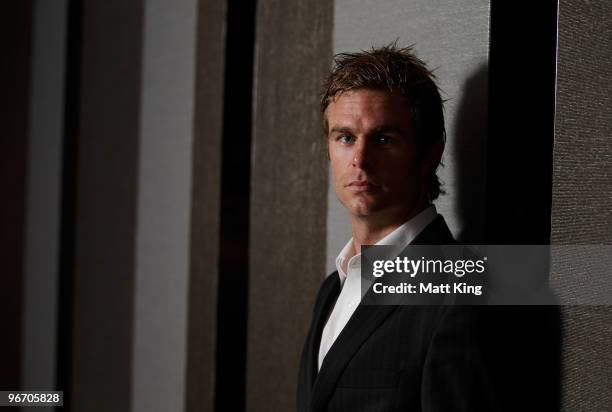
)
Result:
{"points": [[384, 121]]}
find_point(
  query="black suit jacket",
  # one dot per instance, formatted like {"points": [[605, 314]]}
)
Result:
{"points": [[396, 358]]}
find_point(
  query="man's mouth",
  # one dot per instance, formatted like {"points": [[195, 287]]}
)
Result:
{"points": [[358, 186]]}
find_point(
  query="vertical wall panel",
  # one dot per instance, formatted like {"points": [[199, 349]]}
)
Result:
{"points": [[582, 190], [289, 190], [232, 286], [205, 206], [164, 205], [106, 206], [15, 41], [44, 195], [452, 37]]}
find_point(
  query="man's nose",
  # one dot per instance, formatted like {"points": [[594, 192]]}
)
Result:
{"points": [[362, 154]]}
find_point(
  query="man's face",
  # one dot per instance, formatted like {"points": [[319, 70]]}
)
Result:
{"points": [[373, 154]]}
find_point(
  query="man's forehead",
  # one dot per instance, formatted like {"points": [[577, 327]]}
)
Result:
{"points": [[372, 109], [382, 128], [365, 93]]}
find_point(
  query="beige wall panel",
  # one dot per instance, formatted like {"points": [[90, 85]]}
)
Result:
{"points": [[582, 191], [289, 192]]}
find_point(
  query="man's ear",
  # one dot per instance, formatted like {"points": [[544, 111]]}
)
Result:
{"points": [[432, 159]]}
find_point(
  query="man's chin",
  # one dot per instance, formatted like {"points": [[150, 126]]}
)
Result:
{"points": [[363, 209]]}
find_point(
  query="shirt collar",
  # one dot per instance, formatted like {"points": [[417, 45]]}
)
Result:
{"points": [[400, 238]]}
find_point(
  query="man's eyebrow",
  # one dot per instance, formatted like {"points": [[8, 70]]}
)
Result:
{"points": [[387, 129], [340, 129], [379, 129]]}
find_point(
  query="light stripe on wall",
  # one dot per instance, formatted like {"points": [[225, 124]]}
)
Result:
{"points": [[164, 205]]}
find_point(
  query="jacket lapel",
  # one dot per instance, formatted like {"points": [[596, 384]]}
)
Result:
{"points": [[364, 321], [325, 300], [362, 324]]}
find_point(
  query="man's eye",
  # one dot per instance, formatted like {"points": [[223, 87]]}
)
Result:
{"points": [[345, 138], [384, 140]]}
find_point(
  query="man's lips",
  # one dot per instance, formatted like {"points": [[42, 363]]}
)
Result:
{"points": [[358, 186]]}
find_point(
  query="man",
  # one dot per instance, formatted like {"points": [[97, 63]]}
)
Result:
{"points": [[384, 123]]}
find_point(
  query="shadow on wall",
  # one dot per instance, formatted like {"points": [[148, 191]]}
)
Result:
{"points": [[521, 343], [469, 151]]}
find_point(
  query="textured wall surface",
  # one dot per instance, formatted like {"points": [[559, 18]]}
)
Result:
{"points": [[452, 37], [288, 195], [582, 191]]}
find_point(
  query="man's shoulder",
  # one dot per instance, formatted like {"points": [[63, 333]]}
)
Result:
{"points": [[435, 233], [329, 286], [330, 280]]}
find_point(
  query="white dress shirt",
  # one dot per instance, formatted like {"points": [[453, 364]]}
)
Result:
{"points": [[350, 283]]}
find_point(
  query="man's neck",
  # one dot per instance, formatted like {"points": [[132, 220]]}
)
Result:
{"points": [[369, 230]]}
